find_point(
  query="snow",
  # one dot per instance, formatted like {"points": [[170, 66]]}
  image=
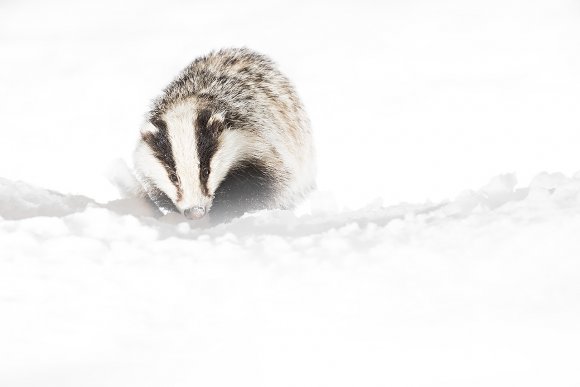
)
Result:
{"points": [[480, 290], [378, 279]]}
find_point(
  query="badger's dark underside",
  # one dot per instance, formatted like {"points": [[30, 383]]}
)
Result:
{"points": [[247, 187]]}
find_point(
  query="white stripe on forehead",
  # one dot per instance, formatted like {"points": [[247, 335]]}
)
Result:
{"points": [[180, 120]]}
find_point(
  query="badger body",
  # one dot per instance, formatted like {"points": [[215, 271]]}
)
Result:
{"points": [[227, 136]]}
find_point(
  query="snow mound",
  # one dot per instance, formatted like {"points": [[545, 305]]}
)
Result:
{"points": [[479, 290], [548, 191], [19, 200]]}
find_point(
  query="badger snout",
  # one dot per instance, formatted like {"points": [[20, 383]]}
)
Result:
{"points": [[196, 212]]}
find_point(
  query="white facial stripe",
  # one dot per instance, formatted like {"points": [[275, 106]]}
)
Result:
{"points": [[180, 121]]}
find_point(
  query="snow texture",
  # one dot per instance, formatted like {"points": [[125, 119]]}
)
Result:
{"points": [[480, 290]]}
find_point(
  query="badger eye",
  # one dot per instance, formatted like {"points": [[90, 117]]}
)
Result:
{"points": [[205, 172], [173, 177]]}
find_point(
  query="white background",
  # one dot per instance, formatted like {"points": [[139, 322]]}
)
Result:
{"points": [[410, 100]]}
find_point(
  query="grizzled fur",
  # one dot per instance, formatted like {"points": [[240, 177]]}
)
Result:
{"points": [[228, 134]]}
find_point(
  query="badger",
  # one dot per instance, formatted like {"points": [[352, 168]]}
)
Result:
{"points": [[227, 136]]}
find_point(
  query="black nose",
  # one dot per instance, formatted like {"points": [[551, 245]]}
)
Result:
{"points": [[194, 212]]}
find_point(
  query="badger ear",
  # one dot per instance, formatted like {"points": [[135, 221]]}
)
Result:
{"points": [[216, 120], [209, 121], [148, 128]]}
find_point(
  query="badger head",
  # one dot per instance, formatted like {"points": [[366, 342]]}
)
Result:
{"points": [[183, 155]]}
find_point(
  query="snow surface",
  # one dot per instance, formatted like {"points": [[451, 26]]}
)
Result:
{"points": [[482, 290], [411, 101]]}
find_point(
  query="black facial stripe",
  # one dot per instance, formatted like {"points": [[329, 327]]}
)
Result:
{"points": [[160, 199], [207, 133], [161, 147]]}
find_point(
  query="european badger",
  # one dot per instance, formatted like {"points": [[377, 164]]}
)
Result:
{"points": [[228, 135]]}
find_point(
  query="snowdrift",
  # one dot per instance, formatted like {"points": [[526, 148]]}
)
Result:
{"points": [[479, 290]]}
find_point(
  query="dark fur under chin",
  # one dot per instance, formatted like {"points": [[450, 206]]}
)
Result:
{"points": [[247, 187]]}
